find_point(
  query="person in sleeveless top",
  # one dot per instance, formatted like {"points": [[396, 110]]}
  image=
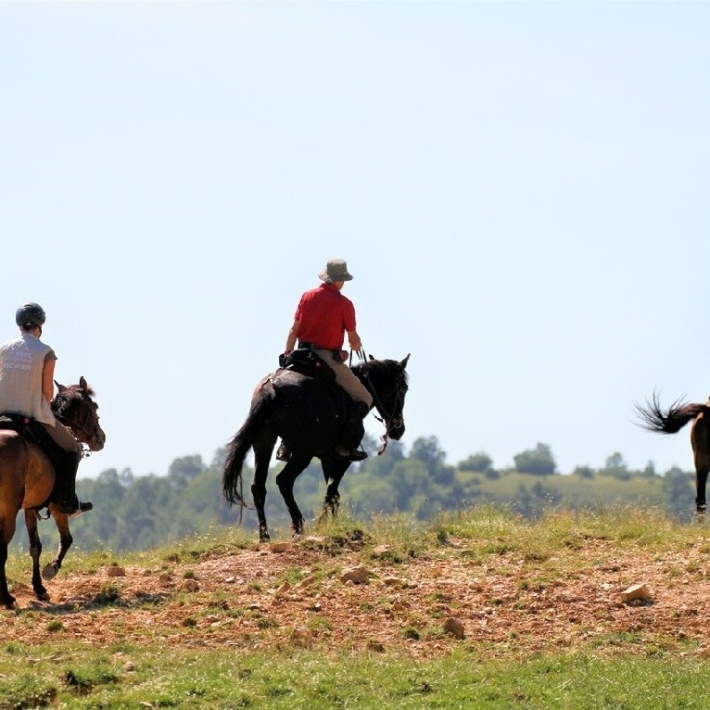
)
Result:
{"points": [[27, 388], [324, 316]]}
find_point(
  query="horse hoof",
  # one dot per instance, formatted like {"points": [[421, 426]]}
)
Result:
{"points": [[9, 603], [50, 571], [43, 596]]}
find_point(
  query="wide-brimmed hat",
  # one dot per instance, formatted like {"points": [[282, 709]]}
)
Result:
{"points": [[335, 270]]}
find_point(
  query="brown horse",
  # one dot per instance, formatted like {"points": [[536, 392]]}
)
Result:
{"points": [[27, 481], [653, 418]]}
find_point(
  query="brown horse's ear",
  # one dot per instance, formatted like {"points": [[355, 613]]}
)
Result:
{"points": [[371, 357], [61, 388], [404, 362], [82, 383]]}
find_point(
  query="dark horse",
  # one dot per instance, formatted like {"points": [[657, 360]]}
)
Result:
{"points": [[27, 480], [304, 411], [653, 418]]}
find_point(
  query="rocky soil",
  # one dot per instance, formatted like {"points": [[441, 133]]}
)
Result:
{"points": [[310, 594]]}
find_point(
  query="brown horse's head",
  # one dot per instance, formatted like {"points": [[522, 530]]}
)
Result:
{"points": [[74, 408]]}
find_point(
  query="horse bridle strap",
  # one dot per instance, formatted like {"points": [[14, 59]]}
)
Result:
{"points": [[75, 426], [386, 419]]}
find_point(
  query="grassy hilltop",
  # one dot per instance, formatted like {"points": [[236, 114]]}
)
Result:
{"points": [[477, 609]]}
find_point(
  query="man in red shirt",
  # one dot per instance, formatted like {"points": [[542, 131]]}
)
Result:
{"points": [[322, 319]]}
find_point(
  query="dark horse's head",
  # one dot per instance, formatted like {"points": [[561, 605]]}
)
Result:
{"points": [[388, 384], [74, 408]]}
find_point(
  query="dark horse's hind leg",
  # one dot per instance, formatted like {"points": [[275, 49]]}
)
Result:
{"points": [[333, 472], [262, 457], [285, 481], [700, 440]]}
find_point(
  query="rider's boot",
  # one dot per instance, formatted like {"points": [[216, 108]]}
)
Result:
{"points": [[352, 434], [65, 486]]}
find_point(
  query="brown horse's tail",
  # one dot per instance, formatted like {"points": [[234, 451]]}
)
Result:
{"points": [[653, 418], [238, 449]]}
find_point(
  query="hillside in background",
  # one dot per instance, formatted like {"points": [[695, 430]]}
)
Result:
{"points": [[140, 512]]}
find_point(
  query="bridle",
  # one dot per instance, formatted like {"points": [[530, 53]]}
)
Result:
{"points": [[75, 426], [388, 420]]}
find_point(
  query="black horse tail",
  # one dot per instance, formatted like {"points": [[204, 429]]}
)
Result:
{"points": [[653, 418], [239, 448]]}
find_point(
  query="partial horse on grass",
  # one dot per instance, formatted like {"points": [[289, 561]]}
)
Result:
{"points": [[27, 480], [671, 421], [306, 412]]}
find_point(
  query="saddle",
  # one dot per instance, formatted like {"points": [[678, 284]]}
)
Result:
{"points": [[307, 362], [34, 433]]}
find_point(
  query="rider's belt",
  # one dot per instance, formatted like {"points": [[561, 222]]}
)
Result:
{"points": [[313, 346]]}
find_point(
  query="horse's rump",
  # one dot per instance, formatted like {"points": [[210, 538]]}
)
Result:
{"points": [[25, 467]]}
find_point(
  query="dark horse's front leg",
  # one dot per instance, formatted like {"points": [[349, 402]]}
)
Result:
{"points": [[333, 472]]}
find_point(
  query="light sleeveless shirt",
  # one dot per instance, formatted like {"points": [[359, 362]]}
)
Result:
{"points": [[21, 365]]}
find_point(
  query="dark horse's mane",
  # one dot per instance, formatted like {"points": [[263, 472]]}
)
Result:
{"points": [[382, 369]]}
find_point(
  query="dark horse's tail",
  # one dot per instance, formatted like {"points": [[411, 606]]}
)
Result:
{"points": [[239, 448], [653, 418]]}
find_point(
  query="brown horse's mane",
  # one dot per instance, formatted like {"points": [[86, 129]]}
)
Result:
{"points": [[78, 388]]}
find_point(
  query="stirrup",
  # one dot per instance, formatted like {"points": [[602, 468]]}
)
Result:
{"points": [[352, 455], [76, 508]]}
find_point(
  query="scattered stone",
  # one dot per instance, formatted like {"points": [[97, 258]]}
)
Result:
{"points": [[116, 571], [301, 637], [454, 627], [129, 667], [190, 585], [285, 587], [306, 581], [376, 646], [636, 591], [230, 580], [356, 575], [280, 546], [381, 550], [165, 578], [393, 582]]}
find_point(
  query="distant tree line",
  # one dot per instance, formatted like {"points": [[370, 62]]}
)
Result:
{"points": [[139, 512]]}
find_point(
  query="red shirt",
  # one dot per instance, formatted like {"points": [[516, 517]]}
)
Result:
{"points": [[324, 315]]}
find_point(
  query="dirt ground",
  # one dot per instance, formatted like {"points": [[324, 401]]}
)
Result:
{"points": [[303, 594]]}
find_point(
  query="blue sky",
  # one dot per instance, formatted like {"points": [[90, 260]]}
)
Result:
{"points": [[520, 190]]}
